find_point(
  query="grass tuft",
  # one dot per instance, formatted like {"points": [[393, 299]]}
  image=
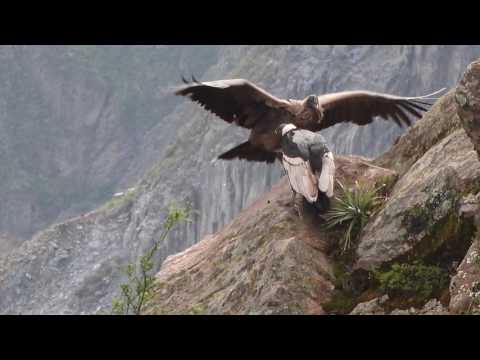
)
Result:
{"points": [[351, 210]]}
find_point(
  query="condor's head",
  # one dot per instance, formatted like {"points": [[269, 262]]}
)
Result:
{"points": [[311, 102]]}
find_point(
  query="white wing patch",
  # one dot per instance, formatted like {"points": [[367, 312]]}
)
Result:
{"points": [[327, 176], [301, 178], [218, 84]]}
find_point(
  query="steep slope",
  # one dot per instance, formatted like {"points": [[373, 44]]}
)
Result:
{"points": [[266, 261], [81, 122], [428, 223], [75, 266], [220, 190], [73, 120]]}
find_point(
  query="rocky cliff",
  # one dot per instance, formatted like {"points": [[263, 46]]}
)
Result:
{"points": [[75, 266], [266, 261], [79, 123], [74, 121], [418, 254]]}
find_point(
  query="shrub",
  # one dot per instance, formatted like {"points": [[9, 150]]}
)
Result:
{"points": [[415, 280], [140, 286]]}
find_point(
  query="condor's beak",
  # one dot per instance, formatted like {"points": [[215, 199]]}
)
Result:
{"points": [[320, 110]]}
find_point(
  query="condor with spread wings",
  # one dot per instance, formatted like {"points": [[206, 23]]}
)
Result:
{"points": [[241, 102]]}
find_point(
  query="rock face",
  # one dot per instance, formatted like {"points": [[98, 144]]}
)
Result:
{"points": [[467, 96], [421, 213], [75, 266], [267, 261], [293, 71], [7, 242], [427, 216], [437, 166], [440, 121], [465, 285], [259, 264], [433, 307], [80, 123], [74, 121], [372, 307], [67, 268]]}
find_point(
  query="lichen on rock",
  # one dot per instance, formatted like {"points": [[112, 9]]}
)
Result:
{"points": [[421, 214]]}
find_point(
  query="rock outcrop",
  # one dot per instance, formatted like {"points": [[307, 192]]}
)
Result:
{"points": [[376, 307], [81, 123], [465, 285], [76, 265], [74, 122], [467, 96], [267, 261], [421, 218], [429, 215]]}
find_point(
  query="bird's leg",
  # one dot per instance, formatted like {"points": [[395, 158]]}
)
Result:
{"points": [[294, 194], [296, 205]]}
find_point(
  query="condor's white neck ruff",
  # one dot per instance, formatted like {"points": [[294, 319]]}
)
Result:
{"points": [[287, 128]]}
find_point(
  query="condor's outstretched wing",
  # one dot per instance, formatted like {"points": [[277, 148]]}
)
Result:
{"points": [[234, 100], [361, 108]]}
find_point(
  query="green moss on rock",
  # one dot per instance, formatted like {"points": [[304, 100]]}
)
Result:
{"points": [[415, 283], [341, 303]]}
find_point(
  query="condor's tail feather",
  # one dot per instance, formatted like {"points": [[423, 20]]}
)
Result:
{"points": [[247, 151]]}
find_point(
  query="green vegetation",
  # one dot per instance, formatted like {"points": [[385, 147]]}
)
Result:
{"points": [[140, 286], [349, 286], [197, 309], [420, 217], [415, 281], [341, 303], [441, 233], [117, 202], [351, 211], [386, 183]]}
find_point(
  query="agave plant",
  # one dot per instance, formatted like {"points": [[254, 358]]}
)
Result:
{"points": [[351, 210]]}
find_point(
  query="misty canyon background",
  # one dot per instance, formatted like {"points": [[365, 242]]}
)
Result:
{"points": [[80, 123]]}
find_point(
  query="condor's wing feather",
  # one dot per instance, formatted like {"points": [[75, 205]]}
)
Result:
{"points": [[301, 177], [236, 101], [361, 108], [326, 180]]}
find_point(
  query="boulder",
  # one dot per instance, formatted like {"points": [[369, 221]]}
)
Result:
{"points": [[372, 307], [467, 96], [432, 307], [421, 216], [465, 285]]}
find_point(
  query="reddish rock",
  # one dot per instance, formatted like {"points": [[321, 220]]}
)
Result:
{"points": [[267, 261]]}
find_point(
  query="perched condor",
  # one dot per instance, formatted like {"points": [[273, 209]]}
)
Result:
{"points": [[243, 103], [309, 164]]}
